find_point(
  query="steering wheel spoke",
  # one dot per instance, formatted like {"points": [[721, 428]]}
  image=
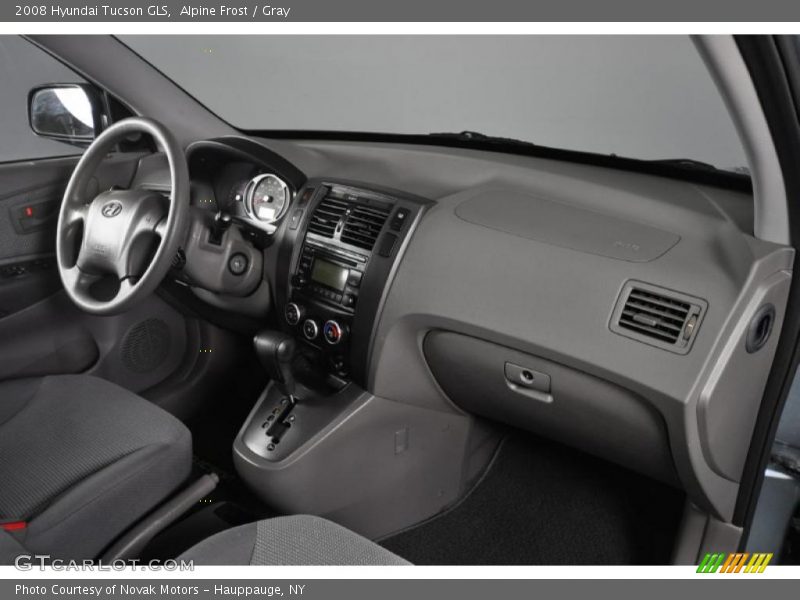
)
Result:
{"points": [[75, 214], [78, 279]]}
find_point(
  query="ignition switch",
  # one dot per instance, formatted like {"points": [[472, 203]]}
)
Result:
{"points": [[238, 264]]}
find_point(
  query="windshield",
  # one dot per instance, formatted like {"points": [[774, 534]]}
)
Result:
{"points": [[639, 97]]}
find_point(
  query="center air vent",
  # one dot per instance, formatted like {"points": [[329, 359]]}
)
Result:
{"points": [[326, 216], [657, 316], [363, 225]]}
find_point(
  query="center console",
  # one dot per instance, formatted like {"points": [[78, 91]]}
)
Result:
{"points": [[337, 252], [341, 248], [317, 441]]}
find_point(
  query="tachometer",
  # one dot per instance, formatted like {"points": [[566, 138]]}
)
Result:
{"points": [[267, 198]]}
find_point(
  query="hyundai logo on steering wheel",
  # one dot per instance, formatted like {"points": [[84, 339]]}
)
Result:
{"points": [[111, 209]]}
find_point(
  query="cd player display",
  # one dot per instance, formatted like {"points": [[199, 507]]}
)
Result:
{"points": [[329, 274]]}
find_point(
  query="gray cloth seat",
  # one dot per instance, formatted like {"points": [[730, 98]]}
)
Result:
{"points": [[81, 460], [294, 540]]}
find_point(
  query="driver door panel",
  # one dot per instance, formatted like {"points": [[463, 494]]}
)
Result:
{"points": [[30, 194]]}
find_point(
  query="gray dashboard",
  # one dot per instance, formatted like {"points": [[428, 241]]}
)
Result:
{"points": [[541, 274], [529, 262], [468, 297]]}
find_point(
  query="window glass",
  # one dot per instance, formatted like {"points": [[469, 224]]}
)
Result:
{"points": [[23, 66], [647, 97]]}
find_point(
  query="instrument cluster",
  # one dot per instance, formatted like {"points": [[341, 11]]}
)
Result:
{"points": [[261, 201]]}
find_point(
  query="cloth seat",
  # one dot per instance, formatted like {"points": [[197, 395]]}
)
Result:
{"points": [[81, 460], [293, 540]]}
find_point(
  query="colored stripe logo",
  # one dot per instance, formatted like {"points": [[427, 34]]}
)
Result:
{"points": [[739, 562]]}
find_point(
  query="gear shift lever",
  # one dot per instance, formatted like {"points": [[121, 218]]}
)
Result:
{"points": [[275, 351]]}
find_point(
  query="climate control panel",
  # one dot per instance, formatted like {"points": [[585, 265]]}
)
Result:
{"points": [[328, 333]]}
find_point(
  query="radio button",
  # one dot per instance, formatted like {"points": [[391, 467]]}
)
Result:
{"points": [[354, 279], [349, 300], [400, 218]]}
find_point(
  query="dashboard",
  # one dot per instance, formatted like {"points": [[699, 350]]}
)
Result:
{"points": [[606, 309]]}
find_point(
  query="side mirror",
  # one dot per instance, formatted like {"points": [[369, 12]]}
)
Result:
{"points": [[65, 112]]}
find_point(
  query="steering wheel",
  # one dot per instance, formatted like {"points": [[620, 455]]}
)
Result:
{"points": [[114, 249]]}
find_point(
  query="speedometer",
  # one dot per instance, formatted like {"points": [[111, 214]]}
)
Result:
{"points": [[267, 198]]}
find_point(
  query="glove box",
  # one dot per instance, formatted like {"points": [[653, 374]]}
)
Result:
{"points": [[552, 400]]}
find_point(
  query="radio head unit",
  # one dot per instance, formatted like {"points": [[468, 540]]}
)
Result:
{"points": [[330, 275]]}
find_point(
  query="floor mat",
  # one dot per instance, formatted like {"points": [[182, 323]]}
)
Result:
{"points": [[214, 430], [543, 503]]}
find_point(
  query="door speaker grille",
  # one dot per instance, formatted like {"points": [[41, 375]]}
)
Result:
{"points": [[146, 346]]}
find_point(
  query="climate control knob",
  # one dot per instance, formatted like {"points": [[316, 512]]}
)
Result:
{"points": [[333, 332], [293, 313], [310, 329]]}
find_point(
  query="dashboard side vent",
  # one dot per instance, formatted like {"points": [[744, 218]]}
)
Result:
{"points": [[657, 316], [363, 225], [326, 216]]}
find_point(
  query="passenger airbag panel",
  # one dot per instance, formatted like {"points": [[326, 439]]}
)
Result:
{"points": [[565, 225]]}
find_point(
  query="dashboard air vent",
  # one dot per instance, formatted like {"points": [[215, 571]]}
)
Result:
{"points": [[657, 316], [364, 225], [326, 216]]}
